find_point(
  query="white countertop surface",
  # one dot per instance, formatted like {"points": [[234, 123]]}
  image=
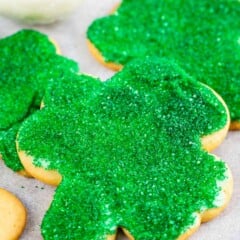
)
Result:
{"points": [[36, 196]]}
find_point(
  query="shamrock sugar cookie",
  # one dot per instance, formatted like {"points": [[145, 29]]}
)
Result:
{"points": [[196, 34], [12, 216], [28, 62], [130, 152]]}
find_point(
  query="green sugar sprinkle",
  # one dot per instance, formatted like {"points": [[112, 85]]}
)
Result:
{"points": [[202, 36], [28, 62], [129, 151]]}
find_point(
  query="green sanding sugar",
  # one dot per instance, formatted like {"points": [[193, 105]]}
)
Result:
{"points": [[129, 151], [202, 36], [28, 62]]}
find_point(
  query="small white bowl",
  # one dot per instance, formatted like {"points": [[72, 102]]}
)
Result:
{"points": [[37, 11]]}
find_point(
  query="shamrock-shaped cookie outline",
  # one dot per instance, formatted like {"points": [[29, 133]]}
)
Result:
{"points": [[29, 60], [195, 34], [113, 148]]}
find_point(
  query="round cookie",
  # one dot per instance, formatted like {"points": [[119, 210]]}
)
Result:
{"points": [[195, 34], [128, 153], [28, 61], [12, 216]]}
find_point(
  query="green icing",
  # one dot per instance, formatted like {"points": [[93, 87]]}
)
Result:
{"points": [[28, 62], [129, 152], [202, 36], [8, 148]]}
